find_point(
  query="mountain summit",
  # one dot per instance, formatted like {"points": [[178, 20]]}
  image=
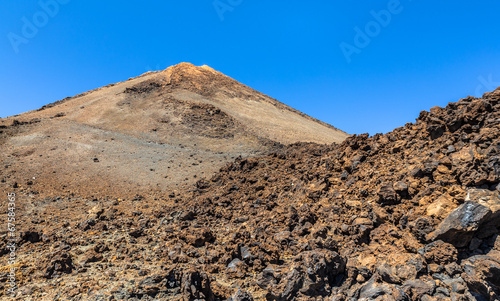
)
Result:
{"points": [[413, 214], [156, 131]]}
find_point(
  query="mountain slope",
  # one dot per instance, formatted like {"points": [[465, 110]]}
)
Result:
{"points": [[410, 215], [154, 132]]}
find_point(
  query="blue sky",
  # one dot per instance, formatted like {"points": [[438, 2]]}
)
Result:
{"points": [[403, 56]]}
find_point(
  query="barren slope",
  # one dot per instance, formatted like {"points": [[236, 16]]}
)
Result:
{"points": [[410, 215], [154, 132]]}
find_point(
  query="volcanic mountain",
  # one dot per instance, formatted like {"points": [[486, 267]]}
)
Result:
{"points": [[413, 214], [157, 131], [410, 215]]}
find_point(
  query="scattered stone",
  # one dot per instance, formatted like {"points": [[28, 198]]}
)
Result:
{"points": [[313, 273], [439, 252], [267, 278], [418, 288], [199, 237], [241, 295], [60, 262], [196, 286], [387, 195], [245, 253], [31, 236], [378, 290]]}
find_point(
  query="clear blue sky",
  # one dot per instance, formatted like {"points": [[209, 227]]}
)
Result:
{"points": [[429, 52]]}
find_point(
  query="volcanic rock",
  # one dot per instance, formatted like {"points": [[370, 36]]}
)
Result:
{"points": [[177, 124], [481, 208], [396, 216]]}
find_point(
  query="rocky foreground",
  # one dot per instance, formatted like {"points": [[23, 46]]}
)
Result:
{"points": [[410, 215]]}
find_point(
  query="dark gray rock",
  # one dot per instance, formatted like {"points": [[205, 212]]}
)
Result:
{"points": [[409, 266], [267, 278], [234, 263], [418, 288], [456, 285], [377, 290], [241, 295], [196, 286], [481, 209], [245, 253], [442, 292], [482, 274], [314, 273]]}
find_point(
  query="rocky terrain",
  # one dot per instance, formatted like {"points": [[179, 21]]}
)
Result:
{"points": [[156, 132], [410, 215]]}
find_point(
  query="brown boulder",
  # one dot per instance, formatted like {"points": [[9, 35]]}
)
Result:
{"points": [[439, 252], [199, 236], [441, 207]]}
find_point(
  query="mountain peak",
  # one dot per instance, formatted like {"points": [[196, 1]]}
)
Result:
{"points": [[190, 114], [189, 68], [198, 79]]}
